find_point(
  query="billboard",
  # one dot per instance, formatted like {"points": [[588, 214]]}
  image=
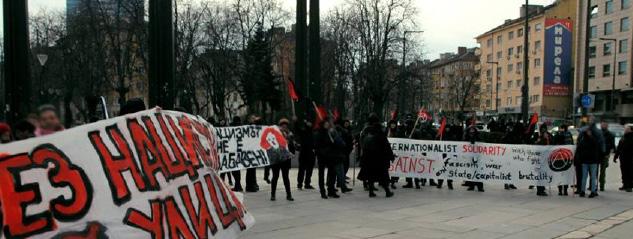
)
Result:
{"points": [[557, 75]]}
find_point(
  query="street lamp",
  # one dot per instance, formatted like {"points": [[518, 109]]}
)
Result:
{"points": [[42, 59], [615, 59]]}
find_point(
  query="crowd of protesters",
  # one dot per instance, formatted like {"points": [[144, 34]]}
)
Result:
{"points": [[328, 144]]}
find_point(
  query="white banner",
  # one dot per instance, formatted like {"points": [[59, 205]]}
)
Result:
{"points": [[481, 162], [150, 174], [249, 146]]}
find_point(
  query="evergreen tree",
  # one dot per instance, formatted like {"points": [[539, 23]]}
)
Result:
{"points": [[259, 86]]}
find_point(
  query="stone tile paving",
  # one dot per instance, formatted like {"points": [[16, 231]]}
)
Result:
{"points": [[440, 213]]}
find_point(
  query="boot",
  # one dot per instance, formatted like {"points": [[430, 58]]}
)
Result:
{"points": [[449, 184], [388, 192], [289, 197], [323, 195], [371, 192], [432, 183], [272, 196]]}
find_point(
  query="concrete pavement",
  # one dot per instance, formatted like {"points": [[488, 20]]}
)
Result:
{"points": [[440, 213]]}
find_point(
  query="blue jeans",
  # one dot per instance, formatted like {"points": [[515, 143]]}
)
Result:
{"points": [[590, 170]]}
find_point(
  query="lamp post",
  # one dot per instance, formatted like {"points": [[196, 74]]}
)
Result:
{"points": [[42, 59], [402, 83], [496, 85], [525, 90], [615, 59]]}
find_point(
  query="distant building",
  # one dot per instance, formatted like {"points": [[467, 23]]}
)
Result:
{"points": [[455, 82], [550, 64], [611, 19]]}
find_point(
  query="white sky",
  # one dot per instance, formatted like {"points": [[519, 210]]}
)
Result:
{"points": [[447, 24]]}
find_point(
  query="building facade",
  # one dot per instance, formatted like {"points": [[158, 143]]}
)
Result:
{"points": [[610, 57], [455, 83], [550, 53]]}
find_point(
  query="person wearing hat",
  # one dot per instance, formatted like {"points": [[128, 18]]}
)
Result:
{"points": [[284, 165]]}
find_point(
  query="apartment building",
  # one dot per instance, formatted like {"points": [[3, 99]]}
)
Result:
{"points": [[610, 57], [550, 53]]}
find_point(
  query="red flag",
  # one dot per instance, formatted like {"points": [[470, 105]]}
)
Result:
{"points": [[533, 122], [424, 116], [336, 114], [292, 92], [394, 114], [440, 133], [321, 115]]}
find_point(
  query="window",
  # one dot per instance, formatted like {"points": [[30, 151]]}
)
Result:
{"points": [[509, 84], [592, 52], [625, 4], [510, 51], [608, 28], [498, 85], [510, 67], [537, 80], [488, 74], [592, 72], [499, 71], [624, 46], [518, 100], [606, 70], [511, 35], [520, 32], [509, 100], [499, 55], [538, 27], [625, 24], [499, 39], [489, 43], [608, 8], [519, 66], [593, 32], [622, 67], [535, 99], [489, 58], [519, 83], [519, 50], [537, 45], [608, 46], [537, 62]]}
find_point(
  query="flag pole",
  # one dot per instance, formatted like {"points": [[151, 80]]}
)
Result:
{"points": [[414, 127]]}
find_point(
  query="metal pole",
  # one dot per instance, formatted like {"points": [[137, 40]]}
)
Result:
{"points": [[525, 90], [161, 54], [18, 95], [585, 80], [300, 59], [315, 53], [615, 55]]}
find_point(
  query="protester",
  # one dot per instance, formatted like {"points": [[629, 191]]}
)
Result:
{"points": [[544, 138], [251, 173], [392, 132], [284, 157], [326, 155], [376, 156], [343, 142], [609, 141], [306, 155], [23, 130], [472, 135], [48, 120], [237, 174], [221, 123], [563, 137], [349, 144], [588, 152], [625, 155], [5, 133], [514, 135], [596, 134]]}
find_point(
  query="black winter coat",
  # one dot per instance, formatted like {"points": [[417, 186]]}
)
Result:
{"points": [[588, 151], [376, 155]]}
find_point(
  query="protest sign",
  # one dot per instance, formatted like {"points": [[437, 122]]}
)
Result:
{"points": [[480, 162], [249, 146], [146, 175]]}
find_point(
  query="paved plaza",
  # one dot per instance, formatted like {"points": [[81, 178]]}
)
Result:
{"points": [[440, 213]]}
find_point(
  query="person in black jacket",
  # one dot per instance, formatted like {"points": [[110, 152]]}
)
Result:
{"points": [[307, 159], [544, 138], [588, 153], [563, 137], [251, 173], [376, 156], [393, 131], [284, 158], [625, 155], [472, 135], [344, 143], [325, 150], [609, 141], [237, 175]]}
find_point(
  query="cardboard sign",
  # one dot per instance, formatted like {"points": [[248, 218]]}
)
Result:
{"points": [[145, 175], [496, 163]]}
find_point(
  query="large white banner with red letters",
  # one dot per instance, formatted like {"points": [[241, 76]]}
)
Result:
{"points": [[481, 162], [145, 175]]}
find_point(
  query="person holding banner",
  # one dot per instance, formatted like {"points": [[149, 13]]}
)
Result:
{"points": [[392, 132], [237, 175], [544, 138], [563, 137], [472, 135], [251, 173], [279, 154], [376, 156]]}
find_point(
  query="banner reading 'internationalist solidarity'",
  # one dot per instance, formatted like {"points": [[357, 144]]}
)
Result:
{"points": [[480, 162], [145, 175]]}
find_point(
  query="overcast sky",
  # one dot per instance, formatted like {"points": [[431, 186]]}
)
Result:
{"points": [[447, 24]]}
